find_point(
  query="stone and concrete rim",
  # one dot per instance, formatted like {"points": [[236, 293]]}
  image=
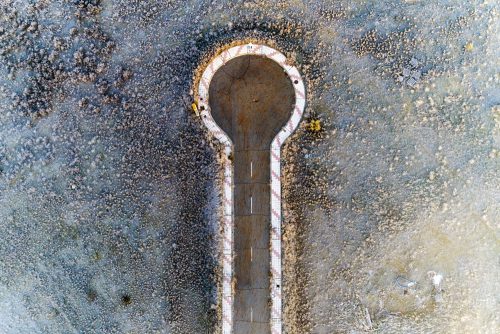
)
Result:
{"points": [[228, 219]]}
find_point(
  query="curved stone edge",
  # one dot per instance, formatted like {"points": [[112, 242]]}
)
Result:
{"points": [[276, 213]]}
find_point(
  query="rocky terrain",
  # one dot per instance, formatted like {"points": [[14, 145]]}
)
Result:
{"points": [[109, 186]]}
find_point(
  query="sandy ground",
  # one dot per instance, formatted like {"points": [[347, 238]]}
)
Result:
{"points": [[109, 187]]}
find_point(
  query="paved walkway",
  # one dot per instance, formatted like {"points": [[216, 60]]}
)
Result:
{"points": [[251, 98]]}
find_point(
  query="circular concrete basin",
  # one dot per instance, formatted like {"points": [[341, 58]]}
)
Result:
{"points": [[251, 99]]}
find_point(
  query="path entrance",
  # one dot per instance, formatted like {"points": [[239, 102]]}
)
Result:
{"points": [[251, 99]]}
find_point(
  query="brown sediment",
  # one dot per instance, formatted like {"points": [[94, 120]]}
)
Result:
{"points": [[295, 308]]}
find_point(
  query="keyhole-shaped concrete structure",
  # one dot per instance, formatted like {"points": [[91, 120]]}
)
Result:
{"points": [[251, 100]]}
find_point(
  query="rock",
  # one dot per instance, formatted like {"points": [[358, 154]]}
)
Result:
{"points": [[414, 62]]}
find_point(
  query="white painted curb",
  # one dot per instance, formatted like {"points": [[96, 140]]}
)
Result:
{"points": [[228, 222]]}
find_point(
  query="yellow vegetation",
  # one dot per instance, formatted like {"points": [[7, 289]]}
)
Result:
{"points": [[195, 108], [314, 125]]}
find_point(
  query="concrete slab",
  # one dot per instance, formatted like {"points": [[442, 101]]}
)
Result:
{"points": [[252, 305], [252, 231], [252, 266], [251, 199], [243, 327], [252, 166]]}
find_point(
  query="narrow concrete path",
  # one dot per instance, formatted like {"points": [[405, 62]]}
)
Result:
{"points": [[251, 99]]}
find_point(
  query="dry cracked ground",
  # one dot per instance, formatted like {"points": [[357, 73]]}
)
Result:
{"points": [[109, 184]]}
